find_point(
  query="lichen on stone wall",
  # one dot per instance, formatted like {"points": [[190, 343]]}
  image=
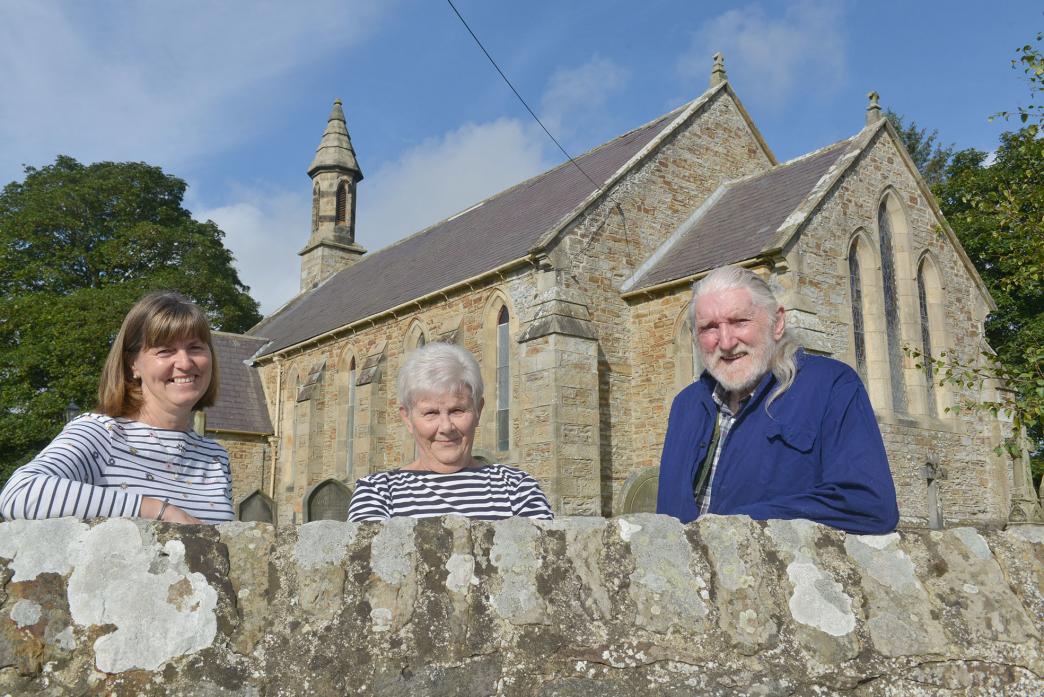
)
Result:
{"points": [[575, 606]]}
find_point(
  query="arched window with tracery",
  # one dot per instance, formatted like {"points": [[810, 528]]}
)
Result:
{"points": [[503, 380], [341, 215], [893, 328]]}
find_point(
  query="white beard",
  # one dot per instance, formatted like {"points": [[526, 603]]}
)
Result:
{"points": [[742, 379]]}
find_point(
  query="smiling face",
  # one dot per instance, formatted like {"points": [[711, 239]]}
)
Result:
{"points": [[174, 377], [443, 425], [737, 338]]}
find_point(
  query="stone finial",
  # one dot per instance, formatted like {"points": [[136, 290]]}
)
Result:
{"points": [[718, 75], [873, 109]]}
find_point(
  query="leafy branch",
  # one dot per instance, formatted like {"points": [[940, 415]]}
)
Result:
{"points": [[1020, 388]]}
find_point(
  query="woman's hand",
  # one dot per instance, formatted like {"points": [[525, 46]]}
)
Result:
{"points": [[151, 507]]}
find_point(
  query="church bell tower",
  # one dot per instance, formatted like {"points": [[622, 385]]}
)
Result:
{"points": [[335, 173]]}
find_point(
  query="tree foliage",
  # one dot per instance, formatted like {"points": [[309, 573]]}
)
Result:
{"points": [[931, 158], [995, 205], [79, 244]]}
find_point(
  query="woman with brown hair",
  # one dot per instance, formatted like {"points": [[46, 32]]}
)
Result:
{"points": [[137, 456]]}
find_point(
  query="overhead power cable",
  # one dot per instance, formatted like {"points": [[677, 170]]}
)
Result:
{"points": [[531, 113]]}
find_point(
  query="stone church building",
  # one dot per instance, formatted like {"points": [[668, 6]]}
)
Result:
{"points": [[571, 290]]}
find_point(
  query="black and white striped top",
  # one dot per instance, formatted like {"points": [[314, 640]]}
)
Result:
{"points": [[489, 493], [100, 466]]}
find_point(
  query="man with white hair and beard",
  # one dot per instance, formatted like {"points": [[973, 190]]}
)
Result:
{"points": [[768, 430]]}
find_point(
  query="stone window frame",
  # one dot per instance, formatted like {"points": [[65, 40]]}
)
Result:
{"points": [[312, 399], [876, 377], [306, 508], [341, 202], [496, 301], [936, 398], [287, 440], [688, 366], [316, 193], [896, 274], [349, 365], [417, 333]]}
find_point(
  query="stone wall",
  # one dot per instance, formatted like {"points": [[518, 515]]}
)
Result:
{"points": [[252, 461], [579, 606]]}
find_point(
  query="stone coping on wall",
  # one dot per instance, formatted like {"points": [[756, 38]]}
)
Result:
{"points": [[578, 606]]}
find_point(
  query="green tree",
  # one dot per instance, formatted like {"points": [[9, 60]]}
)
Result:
{"points": [[997, 212], [995, 205], [931, 158], [79, 244]]}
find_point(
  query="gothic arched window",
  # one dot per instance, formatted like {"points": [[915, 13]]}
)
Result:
{"points": [[687, 363], [503, 380], [288, 430], [415, 338], [926, 341], [858, 328], [341, 215], [893, 332], [350, 425], [315, 207], [934, 338]]}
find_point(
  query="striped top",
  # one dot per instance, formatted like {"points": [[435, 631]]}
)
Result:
{"points": [[101, 466], [492, 492]]}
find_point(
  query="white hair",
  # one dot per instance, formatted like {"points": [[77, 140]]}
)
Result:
{"points": [[439, 368], [725, 278]]}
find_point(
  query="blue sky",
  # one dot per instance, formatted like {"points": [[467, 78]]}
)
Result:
{"points": [[233, 96]]}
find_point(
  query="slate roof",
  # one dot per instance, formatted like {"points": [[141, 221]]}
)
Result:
{"points": [[498, 230], [240, 405], [739, 221]]}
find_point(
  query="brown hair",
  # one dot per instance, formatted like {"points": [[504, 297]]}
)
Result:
{"points": [[157, 319]]}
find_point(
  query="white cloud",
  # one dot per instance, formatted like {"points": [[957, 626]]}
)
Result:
{"points": [[265, 230], [162, 82], [773, 58], [444, 175], [577, 96]]}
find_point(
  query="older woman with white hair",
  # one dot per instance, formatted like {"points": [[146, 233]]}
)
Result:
{"points": [[440, 398]]}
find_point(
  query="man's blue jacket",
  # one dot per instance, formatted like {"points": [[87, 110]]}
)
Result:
{"points": [[816, 453]]}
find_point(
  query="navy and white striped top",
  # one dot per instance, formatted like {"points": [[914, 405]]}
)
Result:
{"points": [[491, 492], [101, 466]]}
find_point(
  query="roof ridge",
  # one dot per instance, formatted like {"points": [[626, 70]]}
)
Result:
{"points": [[398, 243], [523, 183], [221, 332]]}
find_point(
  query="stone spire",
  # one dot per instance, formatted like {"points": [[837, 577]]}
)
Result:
{"points": [[873, 109], [335, 173], [335, 149], [718, 75]]}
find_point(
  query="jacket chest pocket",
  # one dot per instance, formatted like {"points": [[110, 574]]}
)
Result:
{"points": [[789, 459]]}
